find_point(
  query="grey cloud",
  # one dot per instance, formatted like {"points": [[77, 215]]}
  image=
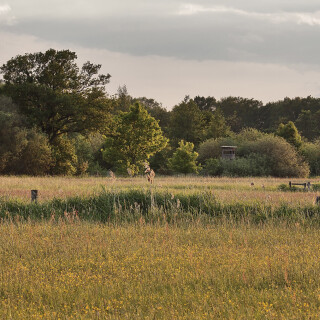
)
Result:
{"points": [[264, 31], [222, 37]]}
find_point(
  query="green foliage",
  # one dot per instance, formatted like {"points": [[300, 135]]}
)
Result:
{"points": [[54, 95], [311, 152], [187, 123], [122, 101], [65, 157], [283, 160], [159, 161], [290, 133], [240, 112], [184, 159], [217, 126], [36, 155], [206, 103], [136, 137], [29, 153], [285, 187], [211, 148], [22, 151], [253, 165], [307, 124], [258, 154], [158, 112], [212, 167]]}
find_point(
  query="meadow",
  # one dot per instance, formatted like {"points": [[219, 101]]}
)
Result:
{"points": [[183, 248]]}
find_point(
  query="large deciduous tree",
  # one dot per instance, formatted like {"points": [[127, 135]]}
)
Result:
{"points": [[187, 123], [55, 94], [135, 138]]}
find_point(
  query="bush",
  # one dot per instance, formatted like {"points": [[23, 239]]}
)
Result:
{"points": [[184, 159], [65, 156], [36, 157], [29, 153], [283, 159], [258, 154], [212, 167], [311, 152], [252, 165], [212, 148]]}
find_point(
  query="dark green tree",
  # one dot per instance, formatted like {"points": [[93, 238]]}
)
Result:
{"points": [[205, 103], [122, 100], [217, 126], [307, 124], [187, 123], [135, 138], [156, 110], [22, 150], [242, 112], [55, 95]]}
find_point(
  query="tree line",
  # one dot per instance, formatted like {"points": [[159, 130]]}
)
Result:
{"points": [[57, 118]]}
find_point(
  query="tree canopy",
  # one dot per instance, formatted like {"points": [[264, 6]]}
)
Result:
{"points": [[136, 137], [54, 94], [184, 159]]}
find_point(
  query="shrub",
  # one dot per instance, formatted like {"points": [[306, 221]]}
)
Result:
{"points": [[212, 167], [184, 159], [283, 159], [258, 154], [253, 165], [311, 152], [28, 153], [65, 156], [36, 156], [212, 148]]}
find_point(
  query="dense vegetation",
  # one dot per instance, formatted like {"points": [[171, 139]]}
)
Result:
{"points": [[57, 119], [78, 270]]}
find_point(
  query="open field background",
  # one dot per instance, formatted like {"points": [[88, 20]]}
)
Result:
{"points": [[183, 248], [228, 190], [82, 270]]}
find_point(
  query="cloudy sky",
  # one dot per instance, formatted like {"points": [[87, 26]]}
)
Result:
{"points": [[266, 49]]}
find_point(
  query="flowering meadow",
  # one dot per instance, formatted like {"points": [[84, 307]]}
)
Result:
{"points": [[158, 261]]}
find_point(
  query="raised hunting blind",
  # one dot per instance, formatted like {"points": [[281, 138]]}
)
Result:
{"points": [[228, 152]]}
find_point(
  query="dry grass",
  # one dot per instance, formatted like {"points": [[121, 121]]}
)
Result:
{"points": [[93, 271], [227, 190], [201, 269]]}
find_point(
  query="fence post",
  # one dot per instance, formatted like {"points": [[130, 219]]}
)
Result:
{"points": [[34, 195]]}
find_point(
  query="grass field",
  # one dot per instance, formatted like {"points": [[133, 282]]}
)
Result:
{"points": [[228, 190], [251, 252], [93, 271]]}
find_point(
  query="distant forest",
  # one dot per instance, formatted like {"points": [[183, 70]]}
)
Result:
{"points": [[57, 118]]}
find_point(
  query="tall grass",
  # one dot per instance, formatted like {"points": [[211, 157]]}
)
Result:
{"points": [[82, 270], [134, 204], [183, 248]]}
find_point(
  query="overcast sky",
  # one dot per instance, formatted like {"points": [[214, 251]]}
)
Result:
{"points": [[167, 49]]}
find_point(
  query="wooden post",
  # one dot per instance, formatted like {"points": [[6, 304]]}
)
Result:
{"points": [[290, 184], [34, 195]]}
